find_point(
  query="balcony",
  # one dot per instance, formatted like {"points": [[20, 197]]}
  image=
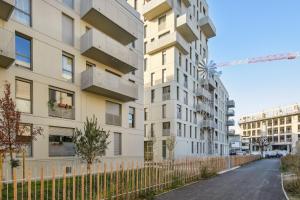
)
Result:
{"points": [[201, 92], [7, 48], [154, 8], [114, 18], [100, 47], [202, 107], [6, 8], [208, 124], [61, 112], [167, 41], [231, 132], [230, 104], [230, 113], [106, 84], [207, 27], [230, 122], [186, 28], [208, 81], [187, 3]]}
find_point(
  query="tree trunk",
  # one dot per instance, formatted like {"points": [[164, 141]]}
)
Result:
{"points": [[11, 164]]}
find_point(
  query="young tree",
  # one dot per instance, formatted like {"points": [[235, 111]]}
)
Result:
{"points": [[91, 142], [12, 138], [171, 141]]}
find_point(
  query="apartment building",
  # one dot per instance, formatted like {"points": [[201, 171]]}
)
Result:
{"points": [[280, 125], [69, 59], [179, 103]]}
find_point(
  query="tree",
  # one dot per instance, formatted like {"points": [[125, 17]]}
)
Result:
{"points": [[12, 138], [90, 143], [170, 142], [262, 142]]}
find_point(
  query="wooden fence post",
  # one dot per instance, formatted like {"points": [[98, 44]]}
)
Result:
{"points": [[42, 183], [64, 184], [91, 182], [29, 185], [98, 183], [117, 181], [82, 184], [74, 184], [15, 184], [104, 181]]}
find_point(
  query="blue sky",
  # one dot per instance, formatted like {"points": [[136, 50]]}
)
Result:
{"points": [[251, 28]]}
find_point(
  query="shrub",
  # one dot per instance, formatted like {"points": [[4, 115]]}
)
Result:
{"points": [[206, 173]]}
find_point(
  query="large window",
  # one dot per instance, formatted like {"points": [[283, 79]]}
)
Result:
{"points": [[164, 110], [163, 57], [23, 51], [24, 136], [61, 142], [61, 103], [131, 117], [117, 144], [166, 93], [166, 128], [152, 95], [67, 67], [22, 12], [113, 113], [164, 75], [67, 30], [24, 95], [152, 132]]}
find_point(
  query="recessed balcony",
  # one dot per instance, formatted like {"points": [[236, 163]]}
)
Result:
{"points": [[6, 8], [7, 48], [106, 84], [100, 47], [201, 92], [231, 132], [186, 28], [203, 108], [207, 27], [187, 3], [230, 122], [230, 113], [114, 18], [170, 40], [155, 8], [208, 124], [230, 104]]}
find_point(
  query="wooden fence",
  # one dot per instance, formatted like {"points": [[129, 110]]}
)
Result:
{"points": [[125, 180]]}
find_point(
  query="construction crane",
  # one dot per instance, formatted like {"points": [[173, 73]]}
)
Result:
{"points": [[211, 68]]}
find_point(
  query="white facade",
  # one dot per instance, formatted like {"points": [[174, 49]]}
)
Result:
{"points": [[68, 60], [179, 103]]}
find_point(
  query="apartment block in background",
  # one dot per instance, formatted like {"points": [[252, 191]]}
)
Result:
{"points": [[282, 128], [69, 59], [179, 103]]}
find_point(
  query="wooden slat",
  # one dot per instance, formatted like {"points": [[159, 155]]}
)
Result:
{"points": [[53, 183], [42, 184]]}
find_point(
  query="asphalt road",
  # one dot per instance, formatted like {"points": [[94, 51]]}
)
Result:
{"points": [[255, 181]]}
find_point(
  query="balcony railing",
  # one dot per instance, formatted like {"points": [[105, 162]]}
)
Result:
{"points": [[230, 113], [6, 9], [207, 27], [100, 47], [155, 8], [230, 122], [231, 132], [65, 112], [208, 124], [111, 119], [201, 92], [114, 18], [109, 85], [230, 104], [7, 48], [186, 28]]}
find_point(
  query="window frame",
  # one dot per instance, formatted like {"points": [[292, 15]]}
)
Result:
{"points": [[70, 56], [19, 62], [30, 82], [16, 9]]}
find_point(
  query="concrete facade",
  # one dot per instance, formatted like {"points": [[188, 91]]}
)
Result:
{"points": [[103, 74], [181, 106], [282, 128]]}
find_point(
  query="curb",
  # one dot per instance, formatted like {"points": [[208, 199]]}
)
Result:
{"points": [[228, 170], [284, 192]]}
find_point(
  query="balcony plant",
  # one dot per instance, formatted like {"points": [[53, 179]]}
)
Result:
{"points": [[51, 104]]}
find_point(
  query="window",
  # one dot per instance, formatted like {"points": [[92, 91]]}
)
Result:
{"points": [[117, 144], [61, 142], [67, 30], [24, 95], [24, 136], [164, 149], [145, 64], [22, 12], [184, 130], [152, 79], [89, 65], [145, 114], [145, 47], [148, 150], [178, 129], [163, 57], [152, 96], [164, 110], [192, 146], [131, 117], [166, 93], [179, 112], [177, 93], [185, 98], [67, 67], [23, 51], [113, 113], [177, 75], [61, 104], [145, 31], [179, 59], [152, 130], [166, 128], [164, 75], [69, 3], [161, 23], [185, 80]]}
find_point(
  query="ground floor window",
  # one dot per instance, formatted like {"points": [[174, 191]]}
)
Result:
{"points": [[164, 149], [24, 136], [148, 150], [117, 144], [60, 142]]}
